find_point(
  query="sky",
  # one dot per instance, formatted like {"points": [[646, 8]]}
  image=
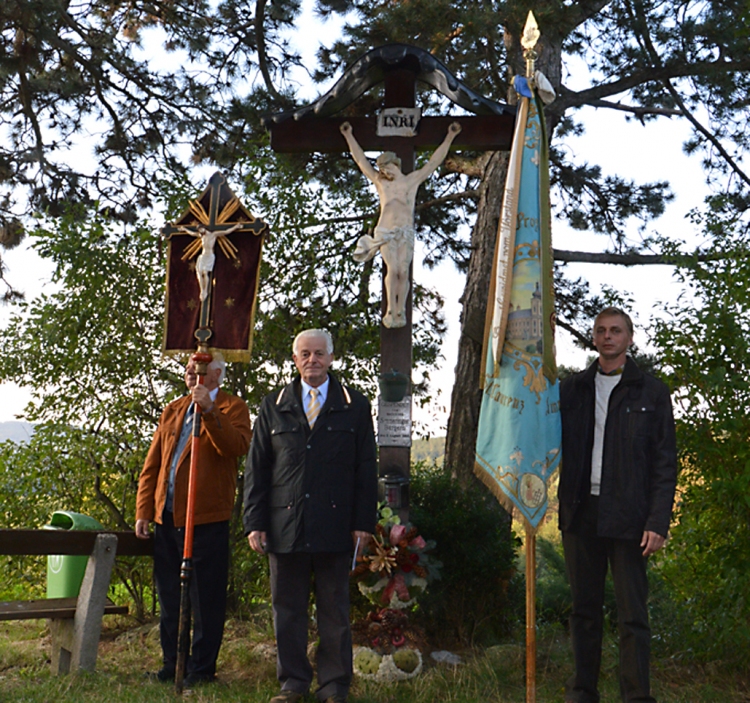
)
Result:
{"points": [[644, 153], [629, 149]]}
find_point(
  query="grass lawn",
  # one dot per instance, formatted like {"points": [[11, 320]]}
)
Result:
{"points": [[247, 672]]}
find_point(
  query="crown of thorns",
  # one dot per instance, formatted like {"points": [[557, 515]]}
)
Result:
{"points": [[388, 157]]}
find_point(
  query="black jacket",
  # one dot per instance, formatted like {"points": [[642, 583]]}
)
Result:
{"points": [[639, 465], [308, 490]]}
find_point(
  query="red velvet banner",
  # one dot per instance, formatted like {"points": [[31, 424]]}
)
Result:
{"points": [[235, 274]]}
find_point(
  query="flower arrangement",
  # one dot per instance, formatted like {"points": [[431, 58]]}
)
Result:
{"points": [[395, 567], [393, 570]]}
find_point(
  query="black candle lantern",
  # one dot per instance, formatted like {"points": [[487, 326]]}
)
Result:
{"points": [[393, 490]]}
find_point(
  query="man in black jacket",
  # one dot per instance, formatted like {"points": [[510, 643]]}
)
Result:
{"points": [[310, 498], [617, 484]]}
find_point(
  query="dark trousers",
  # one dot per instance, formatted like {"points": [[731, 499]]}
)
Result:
{"points": [[291, 577], [586, 559], [208, 591]]}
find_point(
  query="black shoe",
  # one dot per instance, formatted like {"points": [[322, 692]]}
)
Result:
{"points": [[194, 679], [164, 675]]}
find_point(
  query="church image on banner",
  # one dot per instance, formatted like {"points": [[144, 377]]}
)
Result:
{"points": [[525, 329]]}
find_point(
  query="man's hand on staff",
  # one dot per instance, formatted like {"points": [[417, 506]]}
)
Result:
{"points": [[257, 541], [202, 397]]}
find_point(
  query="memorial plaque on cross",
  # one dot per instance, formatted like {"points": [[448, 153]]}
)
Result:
{"points": [[399, 128]]}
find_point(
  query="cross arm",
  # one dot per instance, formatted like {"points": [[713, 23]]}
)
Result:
{"points": [[479, 132], [256, 227]]}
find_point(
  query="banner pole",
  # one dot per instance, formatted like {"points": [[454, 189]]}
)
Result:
{"points": [[530, 615]]}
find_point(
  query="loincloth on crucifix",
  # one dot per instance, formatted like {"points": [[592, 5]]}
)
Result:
{"points": [[368, 246]]}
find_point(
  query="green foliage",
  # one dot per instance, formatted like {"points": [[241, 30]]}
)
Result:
{"points": [[89, 354], [553, 599], [249, 590], [705, 346], [552, 588], [89, 351], [472, 533]]}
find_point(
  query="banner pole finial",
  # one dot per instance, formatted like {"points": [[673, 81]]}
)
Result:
{"points": [[528, 42]]}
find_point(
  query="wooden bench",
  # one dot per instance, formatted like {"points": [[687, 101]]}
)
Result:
{"points": [[75, 623]]}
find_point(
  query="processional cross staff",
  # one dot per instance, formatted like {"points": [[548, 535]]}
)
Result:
{"points": [[208, 221]]}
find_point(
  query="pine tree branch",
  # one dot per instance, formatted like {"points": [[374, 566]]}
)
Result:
{"points": [[666, 82], [569, 98], [639, 111], [706, 133], [631, 258], [582, 338], [260, 40], [453, 197], [575, 14], [473, 167]]}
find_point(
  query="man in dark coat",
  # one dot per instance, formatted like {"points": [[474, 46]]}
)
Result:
{"points": [[617, 484], [310, 498]]}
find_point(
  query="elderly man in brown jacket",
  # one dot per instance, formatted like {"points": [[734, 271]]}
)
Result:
{"points": [[162, 498]]}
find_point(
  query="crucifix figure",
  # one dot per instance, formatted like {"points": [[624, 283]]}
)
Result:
{"points": [[204, 264], [394, 233]]}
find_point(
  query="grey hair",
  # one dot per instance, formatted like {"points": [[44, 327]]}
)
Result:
{"points": [[218, 363], [314, 333]]}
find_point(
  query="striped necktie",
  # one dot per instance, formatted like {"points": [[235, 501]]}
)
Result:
{"points": [[313, 409]]}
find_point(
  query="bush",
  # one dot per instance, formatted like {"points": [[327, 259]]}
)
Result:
{"points": [[553, 601], [699, 596], [475, 544]]}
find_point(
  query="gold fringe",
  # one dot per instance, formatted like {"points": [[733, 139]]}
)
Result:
{"points": [[502, 497], [255, 301], [230, 355]]}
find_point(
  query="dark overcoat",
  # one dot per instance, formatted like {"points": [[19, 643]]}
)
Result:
{"points": [[639, 464], [309, 489]]}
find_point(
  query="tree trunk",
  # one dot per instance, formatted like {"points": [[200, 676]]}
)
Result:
{"points": [[466, 397]]}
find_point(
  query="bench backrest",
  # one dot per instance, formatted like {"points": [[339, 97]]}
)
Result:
{"points": [[70, 542]]}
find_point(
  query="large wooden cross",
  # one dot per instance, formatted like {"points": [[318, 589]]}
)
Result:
{"points": [[306, 131]]}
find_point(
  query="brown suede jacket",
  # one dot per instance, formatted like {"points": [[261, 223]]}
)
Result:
{"points": [[224, 438]]}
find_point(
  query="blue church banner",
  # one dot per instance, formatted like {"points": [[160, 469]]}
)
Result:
{"points": [[518, 444]]}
